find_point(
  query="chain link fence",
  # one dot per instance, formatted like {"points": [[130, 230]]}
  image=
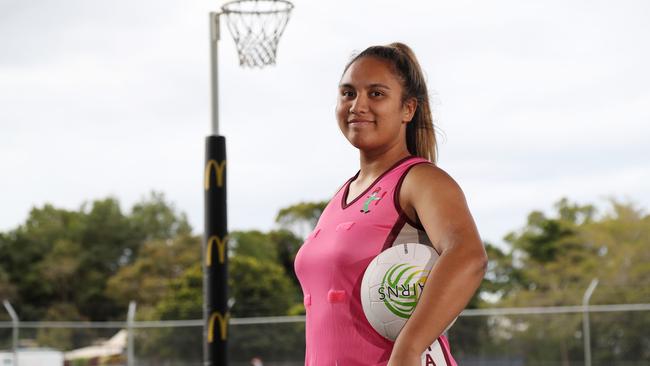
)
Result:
{"points": [[545, 336]]}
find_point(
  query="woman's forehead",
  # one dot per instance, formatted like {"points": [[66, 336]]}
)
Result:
{"points": [[369, 72]]}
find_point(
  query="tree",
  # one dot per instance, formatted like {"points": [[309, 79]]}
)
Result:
{"points": [[622, 239], [155, 218], [287, 245], [148, 280], [183, 300], [301, 217], [254, 244], [277, 246], [7, 290], [551, 262], [63, 338], [66, 257], [262, 288], [22, 251], [259, 288]]}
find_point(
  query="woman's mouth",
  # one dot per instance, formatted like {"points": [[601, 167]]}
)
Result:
{"points": [[360, 122]]}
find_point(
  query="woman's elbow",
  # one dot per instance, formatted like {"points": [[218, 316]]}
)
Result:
{"points": [[477, 261], [482, 264]]}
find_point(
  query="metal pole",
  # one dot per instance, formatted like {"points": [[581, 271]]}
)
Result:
{"points": [[216, 314], [130, 319], [214, 68], [15, 323], [585, 320]]}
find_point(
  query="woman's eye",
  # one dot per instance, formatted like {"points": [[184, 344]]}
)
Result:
{"points": [[376, 93], [347, 93]]}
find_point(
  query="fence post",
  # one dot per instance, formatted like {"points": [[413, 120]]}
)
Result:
{"points": [[130, 319], [15, 325], [585, 320]]}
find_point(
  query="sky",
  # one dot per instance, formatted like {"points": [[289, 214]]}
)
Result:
{"points": [[534, 101]]}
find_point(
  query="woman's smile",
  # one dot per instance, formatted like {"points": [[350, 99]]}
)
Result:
{"points": [[360, 123]]}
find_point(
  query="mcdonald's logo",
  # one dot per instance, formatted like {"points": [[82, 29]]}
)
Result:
{"points": [[223, 326], [218, 170], [221, 247]]}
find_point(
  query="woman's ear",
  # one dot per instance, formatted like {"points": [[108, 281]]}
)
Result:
{"points": [[409, 107]]}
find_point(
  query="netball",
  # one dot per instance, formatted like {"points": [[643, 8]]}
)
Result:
{"points": [[392, 285]]}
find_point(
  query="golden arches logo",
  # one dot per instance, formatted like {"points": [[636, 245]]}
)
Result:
{"points": [[218, 170], [221, 247], [223, 326]]}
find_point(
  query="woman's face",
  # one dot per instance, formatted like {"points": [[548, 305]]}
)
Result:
{"points": [[369, 108]]}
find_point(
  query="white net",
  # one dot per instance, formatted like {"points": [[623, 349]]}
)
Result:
{"points": [[256, 26]]}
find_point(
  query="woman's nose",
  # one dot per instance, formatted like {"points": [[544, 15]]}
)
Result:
{"points": [[359, 104]]}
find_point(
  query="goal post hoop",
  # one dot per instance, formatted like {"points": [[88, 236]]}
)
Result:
{"points": [[256, 27]]}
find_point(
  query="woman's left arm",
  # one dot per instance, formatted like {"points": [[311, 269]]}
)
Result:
{"points": [[442, 209]]}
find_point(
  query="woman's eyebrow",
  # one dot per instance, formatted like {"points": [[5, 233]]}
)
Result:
{"points": [[374, 85], [379, 85]]}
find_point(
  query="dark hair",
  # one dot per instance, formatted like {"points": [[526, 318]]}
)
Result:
{"points": [[420, 133]]}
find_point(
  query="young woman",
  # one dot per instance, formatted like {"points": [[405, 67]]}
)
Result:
{"points": [[399, 195]]}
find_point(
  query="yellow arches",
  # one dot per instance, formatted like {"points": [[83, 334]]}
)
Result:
{"points": [[221, 320], [221, 247], [218, 169], [223, 326]]}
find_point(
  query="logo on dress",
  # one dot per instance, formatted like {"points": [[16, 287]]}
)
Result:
{"points": [[374, 197]]}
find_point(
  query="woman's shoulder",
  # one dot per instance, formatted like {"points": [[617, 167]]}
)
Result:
{"points": [[429, 173], [429, 179]]}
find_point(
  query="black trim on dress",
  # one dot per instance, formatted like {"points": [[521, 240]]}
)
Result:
{"points": [[344, 196]]}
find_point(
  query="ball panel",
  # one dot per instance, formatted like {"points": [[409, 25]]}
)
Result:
{"points": [[393, 328], [406, 252], [387, 256], [375, 293], [380, 311]]}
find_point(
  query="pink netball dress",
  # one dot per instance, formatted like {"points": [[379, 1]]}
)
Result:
{"points": [[330, 265]]}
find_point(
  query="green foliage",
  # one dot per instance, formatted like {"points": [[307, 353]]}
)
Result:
{"points": [[545, 239], [301, 217], [254, 243], [67, 257], [150, 278], [7, 290], [259, 288], [24, 252], [277, 246], [62, 338], [154, 218], [287, 244], [501, 277], [183, 300], [551, 261]]}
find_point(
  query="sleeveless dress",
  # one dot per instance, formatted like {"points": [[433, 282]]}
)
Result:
{"points": [[330, 265]]}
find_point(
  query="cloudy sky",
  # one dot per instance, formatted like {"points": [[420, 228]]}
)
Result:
{"points": [[535, 100]]}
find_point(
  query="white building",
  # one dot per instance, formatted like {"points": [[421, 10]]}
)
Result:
{"points": [[32, 357]]}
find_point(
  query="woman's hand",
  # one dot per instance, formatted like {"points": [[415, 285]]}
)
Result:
{"points": [[404, 358]]}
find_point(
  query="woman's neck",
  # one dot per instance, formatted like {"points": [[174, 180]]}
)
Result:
{"points": [[373, 164]]}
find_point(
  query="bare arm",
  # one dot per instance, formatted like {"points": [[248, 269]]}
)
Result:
{"points": [[441, 206]]}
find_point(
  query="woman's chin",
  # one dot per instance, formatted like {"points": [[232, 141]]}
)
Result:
{"points": [[363, 144]]}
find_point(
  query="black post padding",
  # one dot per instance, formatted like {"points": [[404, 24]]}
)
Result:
{"points": [[215, 260]]}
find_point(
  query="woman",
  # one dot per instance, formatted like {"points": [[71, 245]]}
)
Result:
{"points": [[399, 195]]}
